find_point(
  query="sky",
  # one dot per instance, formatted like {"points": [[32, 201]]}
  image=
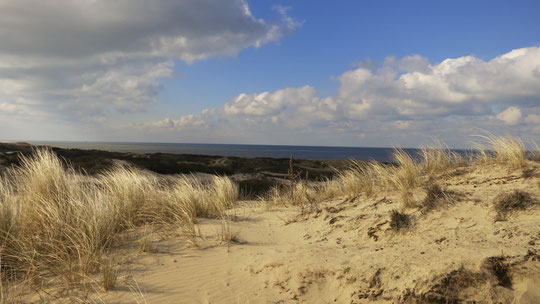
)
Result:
{"points": [[286, 72]]}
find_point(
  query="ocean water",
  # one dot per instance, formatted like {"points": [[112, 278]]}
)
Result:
{"points": [[298, 152]]}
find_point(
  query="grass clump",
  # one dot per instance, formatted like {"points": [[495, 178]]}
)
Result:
{"points": [[57, 223], [502, 149], [535, 155], [358, 179], [298, 192], [450, 287], [438, 158], [226, 235], [303, 196], [436, 196], [399, 220], [110, 275], [406, 175], [510, 202]]}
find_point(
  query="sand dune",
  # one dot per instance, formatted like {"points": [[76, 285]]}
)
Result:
{"points": [[443, 230], [347, 253]]}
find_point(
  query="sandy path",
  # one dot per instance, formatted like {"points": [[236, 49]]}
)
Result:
{"points": [[215, 274]]}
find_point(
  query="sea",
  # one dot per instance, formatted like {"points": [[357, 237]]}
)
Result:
{"points": [[298, 152]]}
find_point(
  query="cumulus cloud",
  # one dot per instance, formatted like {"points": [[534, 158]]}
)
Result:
{"points": [[407, 94], [510, 116], [87, 58]]}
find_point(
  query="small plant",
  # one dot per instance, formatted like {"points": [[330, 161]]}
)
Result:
{"points": [[438, 157], [535, 155], [399, 221], [146, 243], [435, 196], [226, 236], [500, 269], [293, 176], [528, 173], [110, 274], [510, 202]]}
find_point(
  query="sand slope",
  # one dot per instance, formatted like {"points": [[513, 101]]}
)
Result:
{"points": [[347, 253]]}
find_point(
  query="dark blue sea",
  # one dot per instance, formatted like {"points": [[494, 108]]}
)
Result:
{"points": [[298, 152]]}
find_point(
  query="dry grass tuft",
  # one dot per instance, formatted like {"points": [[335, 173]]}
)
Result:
{"points": [[535, 155], [510, 202], [209, 199], [298, 192], [436, 196], [438, 158], [399, 220], [502, 149], [358, 179], [55, 222], [110, 275], [226, 236], [406, 175]]}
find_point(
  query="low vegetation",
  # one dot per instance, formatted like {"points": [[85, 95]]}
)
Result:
{"points": [[501, 149], [55, 222], [399, 220], [510, 202], [406, 174], [436, 196], [110, 275]]}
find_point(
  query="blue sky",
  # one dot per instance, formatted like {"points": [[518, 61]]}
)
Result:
{"points": [[353, 73]]}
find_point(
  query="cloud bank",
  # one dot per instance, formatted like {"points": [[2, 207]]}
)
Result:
{"points": [[403, 101], [84, 59]]}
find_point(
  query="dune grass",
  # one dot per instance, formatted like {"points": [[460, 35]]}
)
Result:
{"points": [[55, 222], [501, 149], [406, 174], [359, 178], [437, 157]]}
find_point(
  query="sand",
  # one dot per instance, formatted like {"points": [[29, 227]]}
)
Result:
{"points": [[347, 253]]}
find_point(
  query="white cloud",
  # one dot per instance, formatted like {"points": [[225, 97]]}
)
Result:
{"points": [[409, 94], [510, 116], [533, 119], [266, 103], [84, 59]]}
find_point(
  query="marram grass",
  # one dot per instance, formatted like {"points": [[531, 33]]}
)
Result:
{"points": [[55, 222]]}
